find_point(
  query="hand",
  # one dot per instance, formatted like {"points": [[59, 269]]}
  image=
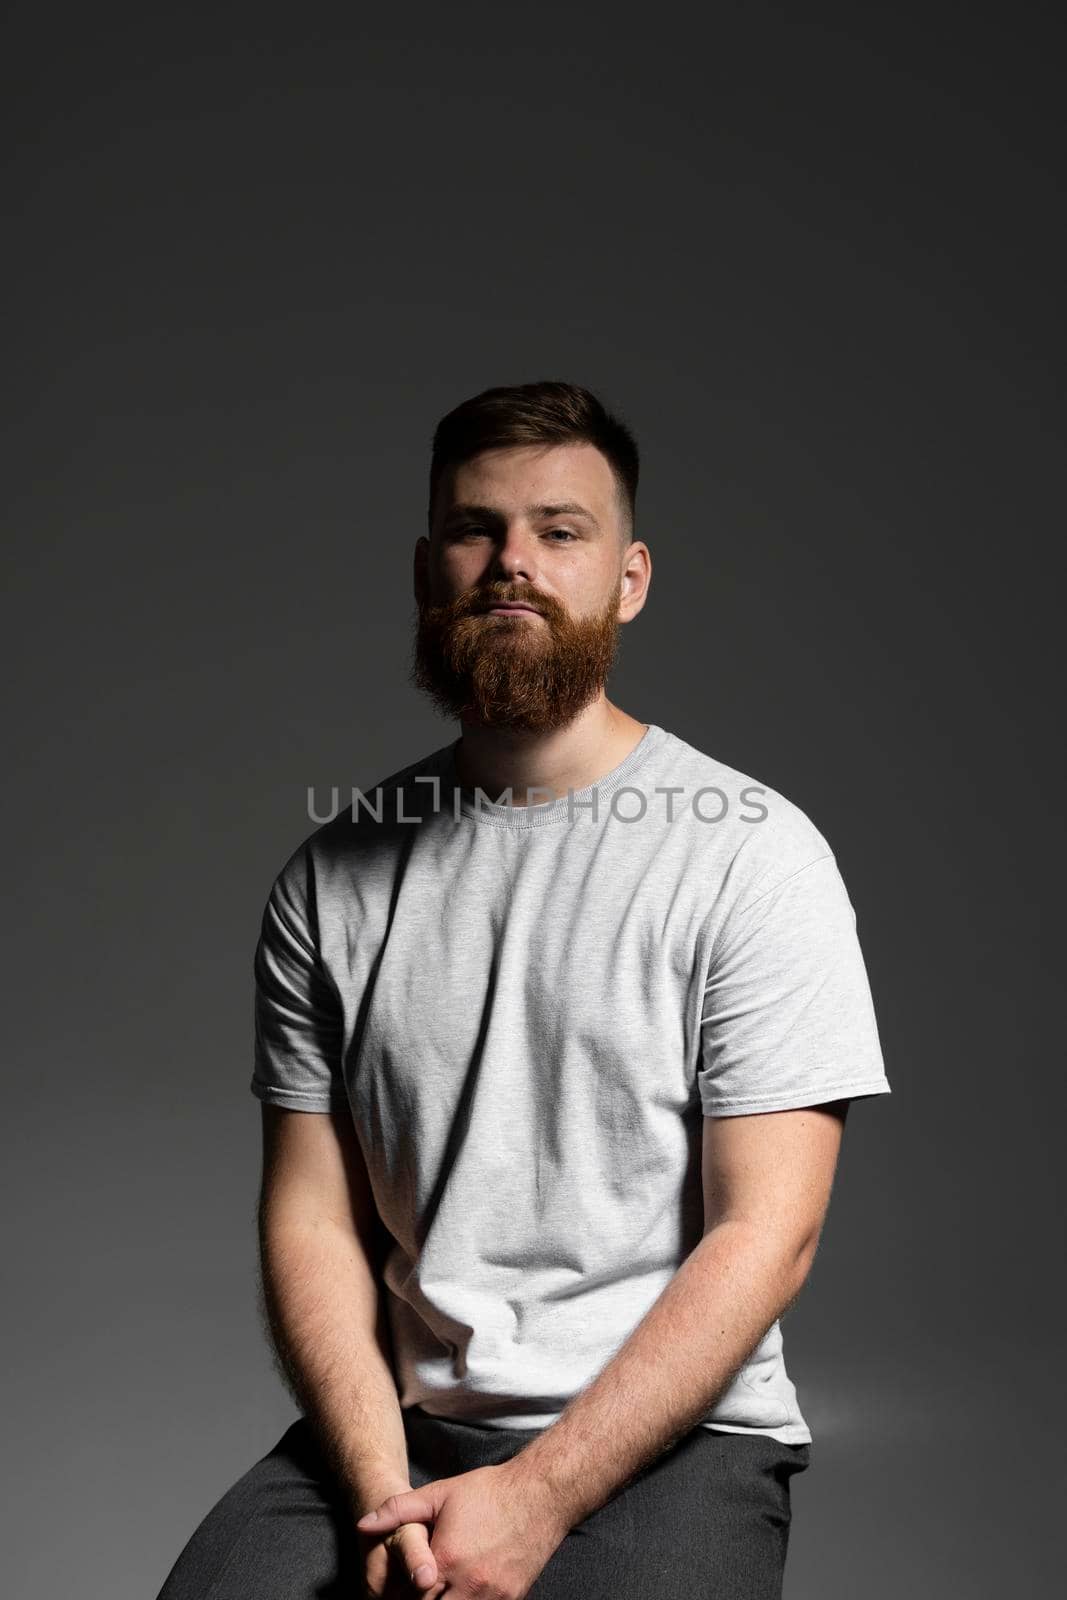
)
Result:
{"points": [[391, 1561], [494, 1530]]}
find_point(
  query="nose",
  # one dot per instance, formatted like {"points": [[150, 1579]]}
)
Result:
{"points": [[513, 558]]}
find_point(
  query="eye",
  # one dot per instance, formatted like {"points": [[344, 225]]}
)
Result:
{"points": [[567, 534]]}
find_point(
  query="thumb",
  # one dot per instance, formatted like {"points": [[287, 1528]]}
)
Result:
{"points": [[413, 1505], [412, 1544]]}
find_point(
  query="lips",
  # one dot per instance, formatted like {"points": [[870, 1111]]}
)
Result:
{"points": [[507, 606]]}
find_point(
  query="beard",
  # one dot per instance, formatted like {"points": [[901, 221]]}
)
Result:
{"points": [[511, 672]]}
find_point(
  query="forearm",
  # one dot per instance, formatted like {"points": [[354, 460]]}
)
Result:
{"points": [[327, 1319], [668, 1374]]}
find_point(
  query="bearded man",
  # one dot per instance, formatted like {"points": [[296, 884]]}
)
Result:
{"points": [[554, 1054]]}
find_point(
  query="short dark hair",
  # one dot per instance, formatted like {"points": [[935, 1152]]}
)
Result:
{"points": [[536, 413]]}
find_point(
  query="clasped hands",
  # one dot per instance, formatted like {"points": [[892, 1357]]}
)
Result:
{"points": [[494, 1530]]}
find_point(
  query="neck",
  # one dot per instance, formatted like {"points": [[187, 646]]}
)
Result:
{"points": [[573, 757]]}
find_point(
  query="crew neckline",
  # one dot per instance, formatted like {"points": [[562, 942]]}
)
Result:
{"points": [[495, 815]]}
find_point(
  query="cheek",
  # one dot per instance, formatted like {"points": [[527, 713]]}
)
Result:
{"points": [[461, 568], [450, 578]]}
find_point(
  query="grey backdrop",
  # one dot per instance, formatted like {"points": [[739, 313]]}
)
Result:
{"points": [[815, 262]]}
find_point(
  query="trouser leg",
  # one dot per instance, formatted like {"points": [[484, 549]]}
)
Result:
{"points": [[280, 1533], [709, 1520], [706, 1520]]}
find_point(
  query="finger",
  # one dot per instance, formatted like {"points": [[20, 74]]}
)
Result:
{"points": [[414, 1505], [412, 1546]]}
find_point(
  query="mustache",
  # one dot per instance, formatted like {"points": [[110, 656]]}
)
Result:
{"points": [[468, 605]]}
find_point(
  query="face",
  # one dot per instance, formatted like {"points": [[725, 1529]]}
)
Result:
{"points": [[540, 526]]}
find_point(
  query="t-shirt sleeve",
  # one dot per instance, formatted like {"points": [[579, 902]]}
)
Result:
{"points": [[298, 1019], [788, 1018]]}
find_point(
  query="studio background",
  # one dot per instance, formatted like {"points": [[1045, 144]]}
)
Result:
{"points": [[815, 262]]}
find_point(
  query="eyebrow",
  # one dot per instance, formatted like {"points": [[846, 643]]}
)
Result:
{"points": [[565, 508]]}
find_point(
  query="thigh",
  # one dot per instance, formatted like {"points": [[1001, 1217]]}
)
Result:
{"points": [[707, 1520], [280, 1533]]}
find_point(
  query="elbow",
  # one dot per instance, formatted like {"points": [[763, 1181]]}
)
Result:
{"points": [[786, 1255], [800, 1260]]}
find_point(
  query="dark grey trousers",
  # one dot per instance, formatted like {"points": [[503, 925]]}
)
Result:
{"points": [[707, 1518]]}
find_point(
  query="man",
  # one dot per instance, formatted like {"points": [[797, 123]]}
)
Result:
{"points": [[556, 1031]]}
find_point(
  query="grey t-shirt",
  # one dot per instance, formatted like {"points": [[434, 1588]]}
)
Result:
{"points": [[529, 1010]]}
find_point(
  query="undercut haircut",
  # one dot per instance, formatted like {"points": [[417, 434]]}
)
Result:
{"points": [[547, 413]]}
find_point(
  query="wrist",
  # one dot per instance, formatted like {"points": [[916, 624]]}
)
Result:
{"points": [[559, 1505], [367, 1489]]}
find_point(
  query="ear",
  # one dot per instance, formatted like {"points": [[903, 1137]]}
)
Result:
{"points": [[635, 579]]}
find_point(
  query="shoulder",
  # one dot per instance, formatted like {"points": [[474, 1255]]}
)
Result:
{"points": [[763, 836], [362, 821]]}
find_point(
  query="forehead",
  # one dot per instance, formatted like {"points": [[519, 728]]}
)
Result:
{"points": [[528, 474]]}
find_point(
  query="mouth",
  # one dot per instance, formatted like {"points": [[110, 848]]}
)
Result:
{"points": [[491, 610]]}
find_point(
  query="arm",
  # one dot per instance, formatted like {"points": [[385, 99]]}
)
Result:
{"points": [[767, 1182], [320, 1255]]}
